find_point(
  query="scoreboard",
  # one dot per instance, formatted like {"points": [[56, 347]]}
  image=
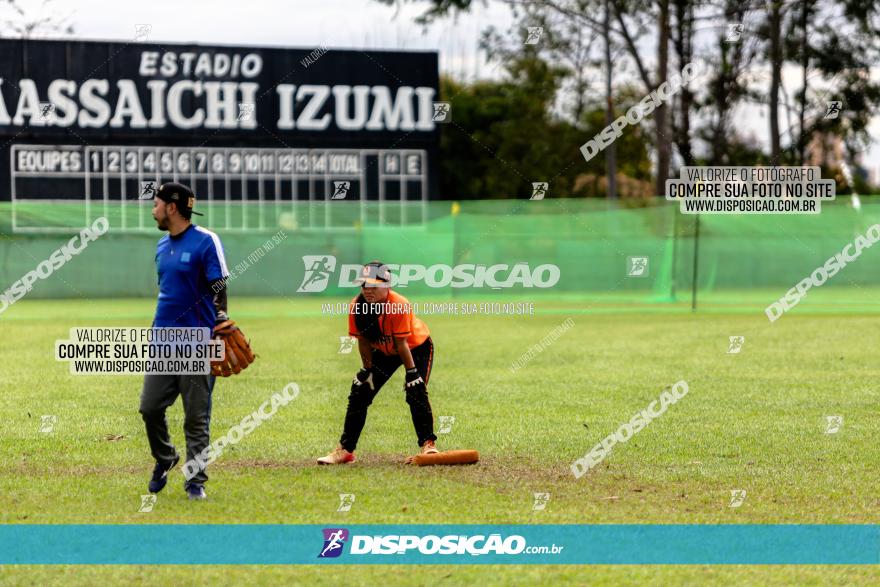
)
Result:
{"points": [[98, 125], [114, 175]]}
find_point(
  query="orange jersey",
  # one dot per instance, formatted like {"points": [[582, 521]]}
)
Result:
{"points": [[397, 320]]}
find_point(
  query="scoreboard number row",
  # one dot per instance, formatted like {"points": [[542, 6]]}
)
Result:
{"points": [[248, 162], [166, 161]]}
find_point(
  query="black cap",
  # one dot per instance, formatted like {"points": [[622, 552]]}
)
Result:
{"points": [[180, 195], [374, 274]]}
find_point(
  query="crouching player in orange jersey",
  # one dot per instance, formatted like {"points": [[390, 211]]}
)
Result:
{"points": [[389, 335]]}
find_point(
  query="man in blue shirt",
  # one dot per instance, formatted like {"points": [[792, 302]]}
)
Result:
{"points": [[192, 293]]}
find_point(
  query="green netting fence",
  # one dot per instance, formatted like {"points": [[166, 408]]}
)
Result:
{"points": [[744, 260]]}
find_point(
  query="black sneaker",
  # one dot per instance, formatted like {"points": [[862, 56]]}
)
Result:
{"points": [[160, 475], [196, 491]]}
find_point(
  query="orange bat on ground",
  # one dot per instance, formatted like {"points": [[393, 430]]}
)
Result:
{"points": [[450, 457]]}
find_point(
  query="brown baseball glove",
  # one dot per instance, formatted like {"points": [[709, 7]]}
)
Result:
{"points": [[238, 351]]}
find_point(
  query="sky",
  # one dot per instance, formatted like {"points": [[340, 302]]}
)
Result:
{"points": [[361, 24]]}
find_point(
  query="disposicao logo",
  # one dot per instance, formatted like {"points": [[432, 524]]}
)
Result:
{"points": [[334, 540], [319, 269]]}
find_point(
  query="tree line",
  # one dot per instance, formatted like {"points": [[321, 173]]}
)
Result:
{"points": [[570, 67]]}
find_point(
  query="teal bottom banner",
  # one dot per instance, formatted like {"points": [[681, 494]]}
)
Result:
{"points": [[440, 544]]}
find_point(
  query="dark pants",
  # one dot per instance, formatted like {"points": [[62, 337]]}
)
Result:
{"points": [[384, 367], [158, 394]]}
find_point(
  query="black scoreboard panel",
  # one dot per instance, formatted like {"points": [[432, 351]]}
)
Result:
{"points": [[101, 175], [99, 123]]}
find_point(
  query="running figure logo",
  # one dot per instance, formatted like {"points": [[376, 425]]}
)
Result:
{"points": [[737, 497], [446, 423], [833, 109], [833, 424], [534, 35], [541, 500], [736, 344], [346, 500], [734, 32], [340, 190], [148, 190], [142, 31], [147, 503], [442, 112], [637, 266], [346, 344], [318, 271], [539, 190], [245, 111], [334, 540], [46, 110], [47, 424]]}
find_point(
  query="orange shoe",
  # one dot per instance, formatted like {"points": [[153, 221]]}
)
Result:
{"points": [[340, 456], [429, 448]]}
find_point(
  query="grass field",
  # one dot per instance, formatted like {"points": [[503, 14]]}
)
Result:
{"points": [[753, 421]]}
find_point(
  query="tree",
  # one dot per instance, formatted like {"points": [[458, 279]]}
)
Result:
{"points": [[728, 60], [26, 23], [632, 20], [683, 43], [774, 32], [504, 136], [834, 43]]}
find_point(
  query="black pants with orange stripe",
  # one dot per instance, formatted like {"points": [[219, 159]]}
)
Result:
{"points": [[362, 396]]}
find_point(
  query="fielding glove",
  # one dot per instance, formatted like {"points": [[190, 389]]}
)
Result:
{"points": [[414, 381], [238, 350], [363, 377]]}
